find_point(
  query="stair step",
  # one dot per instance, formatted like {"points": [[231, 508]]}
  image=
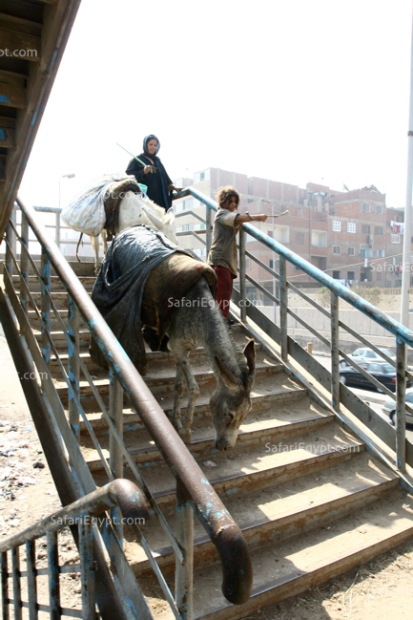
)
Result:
{"points": [[258, 428], [161, 383], [59, 338], [285, 570], [280, 512], [56, 285], [261, 402]]}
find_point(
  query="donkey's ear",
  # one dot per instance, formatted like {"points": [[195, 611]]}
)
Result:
{"points": [[249, 352], [153, 218], [228, 378]]}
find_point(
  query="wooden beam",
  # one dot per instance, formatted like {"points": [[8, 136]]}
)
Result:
{"points": [[7, 137], [11, 95], [7, 121], [2, 168], [20, 45]]}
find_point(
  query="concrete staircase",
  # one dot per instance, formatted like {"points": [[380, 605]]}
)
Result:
{"points": [[311, 502]]}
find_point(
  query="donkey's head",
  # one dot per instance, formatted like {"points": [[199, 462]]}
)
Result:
{"points": [[231, 401]]}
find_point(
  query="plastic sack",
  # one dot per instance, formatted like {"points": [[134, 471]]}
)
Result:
{"points": [[86, 213]]}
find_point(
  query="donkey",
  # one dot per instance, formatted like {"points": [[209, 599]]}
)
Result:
{"points": [[149, 288], [135, 209], [199, 322]]}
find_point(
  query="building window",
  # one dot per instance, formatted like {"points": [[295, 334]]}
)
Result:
{"points": [[336, 275], [394, 238], [351, 251], [379, 208], [380, 253], [351, 227], [350, 275], [366, 207], [271, 263], [336, 225], [378, 230], [365, 229], [336, 249], [299, 238], [319, 238]]}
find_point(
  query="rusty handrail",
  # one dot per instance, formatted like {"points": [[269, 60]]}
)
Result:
{"points": [[215, 518], [120, 493]]}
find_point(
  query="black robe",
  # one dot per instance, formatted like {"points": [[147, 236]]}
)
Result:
{"points": [[157, 182]]}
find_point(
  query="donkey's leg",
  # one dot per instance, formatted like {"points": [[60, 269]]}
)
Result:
{"points": [[95, 246], [193, 393], [104, 241], [179, 392]]}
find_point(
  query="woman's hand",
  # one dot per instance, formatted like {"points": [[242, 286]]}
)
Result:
{"points": [[148, 169]]}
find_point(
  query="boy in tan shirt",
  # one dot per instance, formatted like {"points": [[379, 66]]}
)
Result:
{"points": [[223, 252]]}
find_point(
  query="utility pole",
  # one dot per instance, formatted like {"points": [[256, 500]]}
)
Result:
{"points": [[408, 209]]}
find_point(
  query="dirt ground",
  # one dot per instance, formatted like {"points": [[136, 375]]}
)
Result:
{"points": [[376, 590]]}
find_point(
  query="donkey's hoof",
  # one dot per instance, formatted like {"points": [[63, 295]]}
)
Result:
{"points": [[185, 434]]}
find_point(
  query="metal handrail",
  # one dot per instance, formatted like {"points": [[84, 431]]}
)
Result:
{"points": [[403, 336], [219, 525], [81, 517]]}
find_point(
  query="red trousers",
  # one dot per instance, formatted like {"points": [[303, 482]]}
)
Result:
{"points": [[225, 286]]}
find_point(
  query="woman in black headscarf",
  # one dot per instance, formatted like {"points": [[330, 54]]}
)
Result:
{"points": [[153, 174]]}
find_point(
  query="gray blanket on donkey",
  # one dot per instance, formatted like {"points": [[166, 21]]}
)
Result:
{"points": [[119, 289]]}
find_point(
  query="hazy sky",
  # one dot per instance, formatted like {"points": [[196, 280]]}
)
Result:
{"points": [[292, 90]]}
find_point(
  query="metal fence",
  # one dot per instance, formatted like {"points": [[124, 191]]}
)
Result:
{"points": [[278, 328], [23, 567]]}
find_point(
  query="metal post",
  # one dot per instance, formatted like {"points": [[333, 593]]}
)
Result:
{"points": [[17, 591], [401, 354], [45, 306], [335, 345], [24, 261], [242, 280], [11, 245], [184, 570], [116, 413], [87, 570], [31, 579], [4, 586], [73, 365], [115, 452], [208, 225], [283, 309], [53, 568], [57, 233]]}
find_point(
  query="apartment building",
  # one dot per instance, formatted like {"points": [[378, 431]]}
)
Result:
{"points": [[351, 235]]}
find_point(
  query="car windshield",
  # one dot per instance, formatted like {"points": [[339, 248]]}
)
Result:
{"points": [[386, 368], [388, 352]]}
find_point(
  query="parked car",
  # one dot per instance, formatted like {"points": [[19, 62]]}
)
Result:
{"points": [[382, 371], [366, 355], [389, 407]]}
